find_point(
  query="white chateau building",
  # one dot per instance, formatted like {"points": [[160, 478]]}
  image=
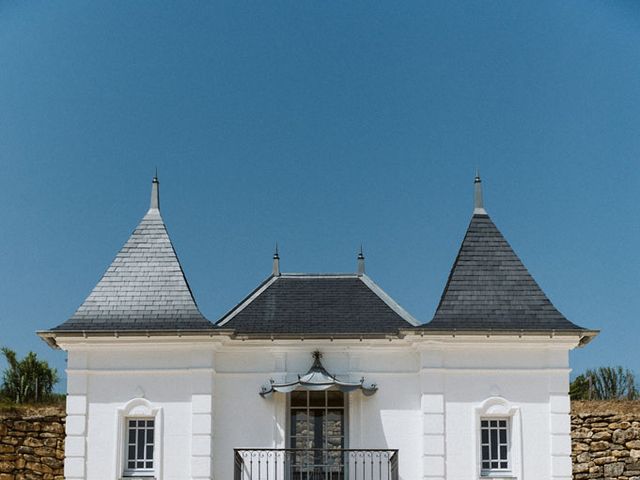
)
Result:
{"points": [[317, 376]]}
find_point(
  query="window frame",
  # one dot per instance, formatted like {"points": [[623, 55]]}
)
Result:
{"points": [[498, 408], [326, 408], [493, 471], [138, 471], [138, 408], [345, 419], [345, 416]]}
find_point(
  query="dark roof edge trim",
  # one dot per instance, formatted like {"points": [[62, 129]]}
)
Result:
{"points": [[318, 336], [585, 335], [50, 336]]}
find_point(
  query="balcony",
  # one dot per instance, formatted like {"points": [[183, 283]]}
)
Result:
{"points": [[315, 464]]}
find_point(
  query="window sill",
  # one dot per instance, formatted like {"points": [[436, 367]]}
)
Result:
{"points": [[138, 477], [497, 476]]}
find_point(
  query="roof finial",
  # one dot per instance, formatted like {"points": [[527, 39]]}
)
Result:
{"points": [[360, 262], [478, 204], [276, 261], [155, 193], [317, 355]]}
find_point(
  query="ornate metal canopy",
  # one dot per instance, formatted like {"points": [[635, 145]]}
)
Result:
{"points": [[317, 378]]}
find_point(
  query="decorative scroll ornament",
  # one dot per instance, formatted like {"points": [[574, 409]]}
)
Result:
{"points": [[316, 379]]}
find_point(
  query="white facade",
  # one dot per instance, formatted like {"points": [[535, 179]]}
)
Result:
{"points": [[155, 390], [433, 390]]}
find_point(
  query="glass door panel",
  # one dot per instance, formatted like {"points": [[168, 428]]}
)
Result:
{"points": [[317, 424]]}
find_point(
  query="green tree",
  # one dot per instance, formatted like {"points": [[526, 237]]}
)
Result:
{"points": [[605, 383], [579, 389], [28, 380]]}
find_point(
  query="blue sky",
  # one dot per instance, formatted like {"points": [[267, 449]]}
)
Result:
{"points": [[321, 125]]}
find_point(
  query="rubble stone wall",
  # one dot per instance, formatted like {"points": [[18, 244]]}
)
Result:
{"points": [[605, 441], [32, 445]]}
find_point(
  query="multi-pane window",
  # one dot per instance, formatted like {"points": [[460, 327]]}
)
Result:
{"points": [[494, 444], [317, 424], [140, 443], [317, 419]]}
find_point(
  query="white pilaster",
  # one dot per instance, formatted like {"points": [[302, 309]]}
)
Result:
{"points": [[560, 429], [279, 401], [202, 392], [75, 460], [433, 417]]}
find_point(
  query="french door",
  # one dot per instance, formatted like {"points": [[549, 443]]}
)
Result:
{"points": [[317, 435]]}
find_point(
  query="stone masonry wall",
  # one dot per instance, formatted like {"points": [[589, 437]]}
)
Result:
{"points": [[605, 440], [32, 445]]}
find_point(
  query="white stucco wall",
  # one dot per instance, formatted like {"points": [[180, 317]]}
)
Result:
{"points": [[529, 381], [388, 419], [431, 392]]}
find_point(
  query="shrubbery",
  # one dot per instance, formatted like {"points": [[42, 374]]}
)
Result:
{"points": [[605, 383], [29, 380]]}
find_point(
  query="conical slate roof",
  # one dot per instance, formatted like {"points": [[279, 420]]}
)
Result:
{"points": [[490, 288], [144, 288]]}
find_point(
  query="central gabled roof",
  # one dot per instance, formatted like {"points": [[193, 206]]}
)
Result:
{"points": [[317, 304], [144, 288]]}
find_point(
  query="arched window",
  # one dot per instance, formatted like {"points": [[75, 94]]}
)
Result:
{"points": [[139, 440], [498, 444]]}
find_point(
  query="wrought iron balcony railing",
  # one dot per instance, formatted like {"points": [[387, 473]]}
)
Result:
{"points": [[315, 464]]}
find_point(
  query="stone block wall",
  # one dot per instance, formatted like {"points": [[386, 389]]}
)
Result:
{"points": [[605, 440], [32, 444]]}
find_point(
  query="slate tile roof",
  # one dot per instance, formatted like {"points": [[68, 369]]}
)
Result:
{"points": [[318, 304], [490, 288], [143, 289]]}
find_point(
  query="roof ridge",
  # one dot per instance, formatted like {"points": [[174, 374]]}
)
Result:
{"points": [[386, 298], [175, 254], [320, 275], [247, 300], [455, 262]]}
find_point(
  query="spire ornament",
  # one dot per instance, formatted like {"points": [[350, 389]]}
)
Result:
{"points": [[276, 262], [361, 262], [155, 193], [478, 203]]}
